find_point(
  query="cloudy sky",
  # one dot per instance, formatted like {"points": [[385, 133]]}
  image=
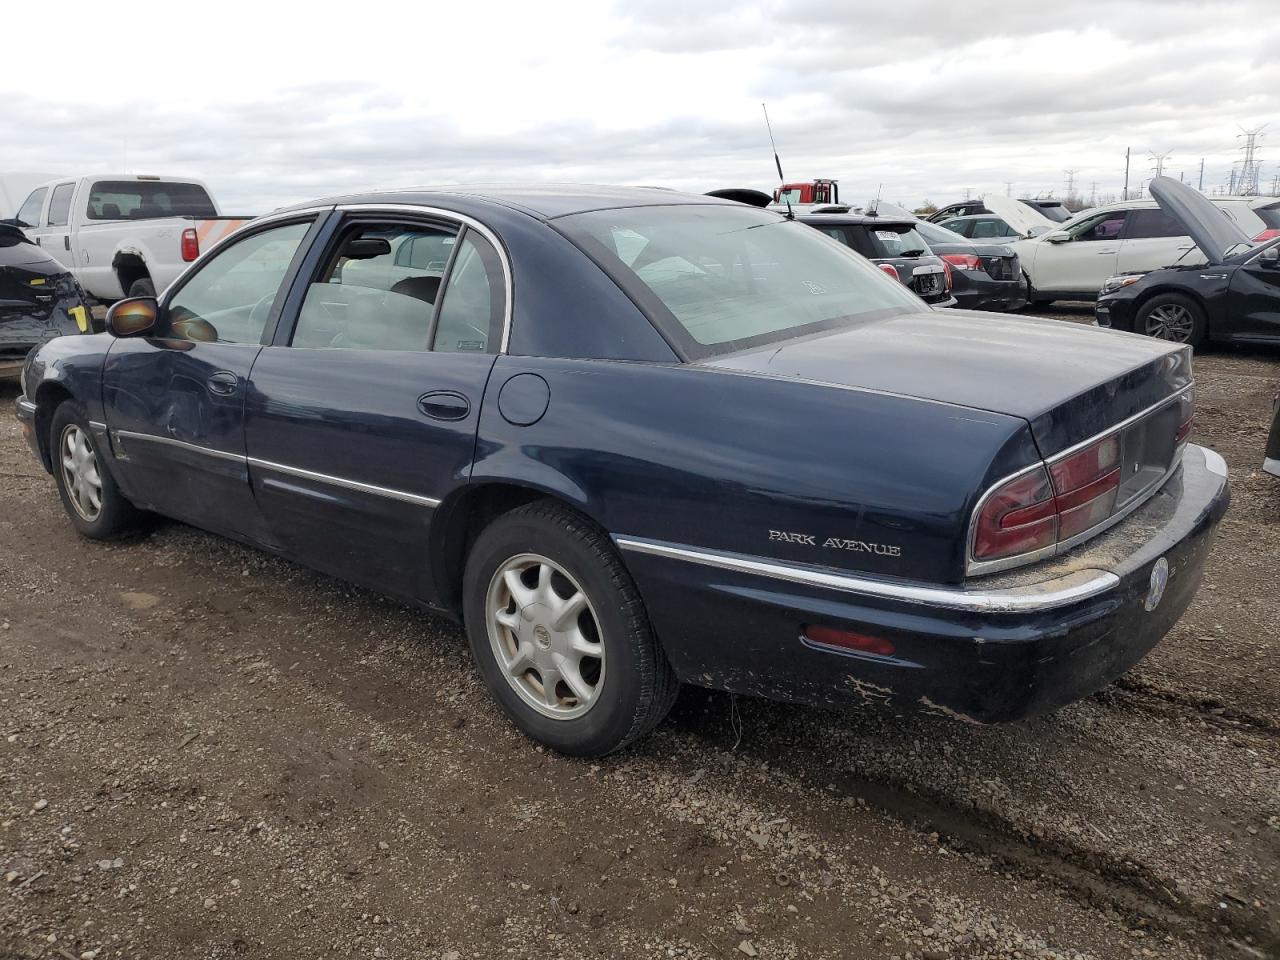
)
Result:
{"points": [[919, 98]]}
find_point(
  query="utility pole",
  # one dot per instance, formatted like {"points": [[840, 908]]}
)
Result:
{"points": [[1158, 159], [1126, 174], [1201, 186]]}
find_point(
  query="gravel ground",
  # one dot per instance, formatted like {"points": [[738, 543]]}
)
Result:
{"points": [[209, 752]]}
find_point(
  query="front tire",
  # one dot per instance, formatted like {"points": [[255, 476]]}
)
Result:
{"points": [[97, 508], [560, 635], [1172, 317]]}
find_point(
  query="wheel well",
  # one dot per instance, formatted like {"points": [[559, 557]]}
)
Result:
{"points": [[460, 519], [129, 267], [1191, 295], [47, 399]]}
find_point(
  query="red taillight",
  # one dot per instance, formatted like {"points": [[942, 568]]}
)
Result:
{"points": [[1269, 234], [965, 261], [891, 270], [848, 639], [946, 268], [1184, 430], [1018, 517], [1086, 485], [190, 245]]}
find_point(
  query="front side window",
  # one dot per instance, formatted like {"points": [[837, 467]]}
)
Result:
{"points": [[228, 300], [719, 278], [30, 212], [1146, 224], [378, 290], [1106, 226], [60, 204], [147, 200]]}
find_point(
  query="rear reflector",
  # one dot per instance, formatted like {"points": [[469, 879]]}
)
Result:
{"points": [[190, 245], [847, 639]]}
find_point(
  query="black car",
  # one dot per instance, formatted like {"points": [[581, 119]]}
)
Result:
{"points": [[894, 246], [984, 276], [1271, 459], [1054, 210], [39, 299], [1235, 295], [632, 438]]}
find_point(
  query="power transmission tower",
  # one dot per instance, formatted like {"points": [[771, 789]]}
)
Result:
{"points": [[1008, 188], [1093, 193], [1246, 184], [1158, 159], [1071, 182]]}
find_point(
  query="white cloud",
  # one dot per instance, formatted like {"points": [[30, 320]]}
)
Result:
{"points": [[273, 104]]}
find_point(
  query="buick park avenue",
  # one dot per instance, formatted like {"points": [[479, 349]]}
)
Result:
{"points": [[633, 439]]}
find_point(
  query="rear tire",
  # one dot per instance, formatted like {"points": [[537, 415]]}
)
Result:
{"points": [[546, 598], [97, 508], [142, 287], [1172, 317]]}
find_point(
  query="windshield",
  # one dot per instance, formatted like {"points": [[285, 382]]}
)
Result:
{"points": [[723, 278], [147, 200]]}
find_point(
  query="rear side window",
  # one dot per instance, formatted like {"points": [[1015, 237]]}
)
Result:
{"points": [[1146, 224], [960, 227], [984, 229], [474, 300], [147, 200], [378, 291], [30, 212], [60, 205]]}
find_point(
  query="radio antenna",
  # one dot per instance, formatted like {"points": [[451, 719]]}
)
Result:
{"points": [[776, 162]]}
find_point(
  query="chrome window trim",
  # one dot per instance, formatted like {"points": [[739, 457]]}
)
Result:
{"points": [[359, 485], [974, 566], [343, 482], [474, 224], [1078, 585]]}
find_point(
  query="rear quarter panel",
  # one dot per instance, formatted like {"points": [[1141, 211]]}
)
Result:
{"points": [[68, 366], [769, 467]]}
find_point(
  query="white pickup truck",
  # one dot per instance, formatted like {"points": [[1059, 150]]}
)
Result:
{"points": [[124, 235]]}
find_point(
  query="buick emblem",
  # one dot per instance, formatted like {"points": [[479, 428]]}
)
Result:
{"points": [[1159, 580]]}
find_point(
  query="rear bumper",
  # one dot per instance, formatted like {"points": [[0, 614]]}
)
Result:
{"points": [[975, 290], [999, 648]]}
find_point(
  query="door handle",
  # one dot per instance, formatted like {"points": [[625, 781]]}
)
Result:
{"points": [[444, 405], [224, 383], [66, 240]]}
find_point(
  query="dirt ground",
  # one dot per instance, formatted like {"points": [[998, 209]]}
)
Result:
{"points": [[208, 752]]}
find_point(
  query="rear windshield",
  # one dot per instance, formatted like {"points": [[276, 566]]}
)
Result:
{"points": [[1055, 211], [722, 278], [897, 243], [147, 200]]}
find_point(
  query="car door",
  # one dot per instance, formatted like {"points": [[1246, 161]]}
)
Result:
{"points": [[362, 414], [1152, 239], [1080, 264], [1253, 304], [174, 399], [55, 233]]}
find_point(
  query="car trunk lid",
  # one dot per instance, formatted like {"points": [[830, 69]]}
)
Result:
{"points": [[1069, 382]]}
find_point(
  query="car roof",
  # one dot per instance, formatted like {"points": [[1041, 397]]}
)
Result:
{"points": [[855, 220], [542, 200]]}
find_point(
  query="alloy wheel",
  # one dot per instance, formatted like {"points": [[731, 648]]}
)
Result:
{"points": [[545, 636], [1170, 321], [80, 472]]}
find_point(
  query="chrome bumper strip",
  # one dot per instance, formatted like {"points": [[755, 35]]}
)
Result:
{"points": [[1047, 595]]}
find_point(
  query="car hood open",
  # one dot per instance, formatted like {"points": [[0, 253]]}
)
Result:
{"points": [[1026, 220], [1213, 231], [1069, 381]]}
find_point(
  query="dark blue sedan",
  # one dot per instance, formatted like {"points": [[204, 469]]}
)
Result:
{"points": [[633, 438]]}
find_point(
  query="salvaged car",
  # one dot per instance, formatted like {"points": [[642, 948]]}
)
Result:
{"points": [[891, 244], [39, 300], [1234, 294], [633, 438], [984, 276]]}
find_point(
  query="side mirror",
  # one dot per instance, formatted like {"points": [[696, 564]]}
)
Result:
{"points": [[129, 318], [1057, 236], [1270, 258]]}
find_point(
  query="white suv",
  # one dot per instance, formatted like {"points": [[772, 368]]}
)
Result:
{"points": [[1071, 261]]}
